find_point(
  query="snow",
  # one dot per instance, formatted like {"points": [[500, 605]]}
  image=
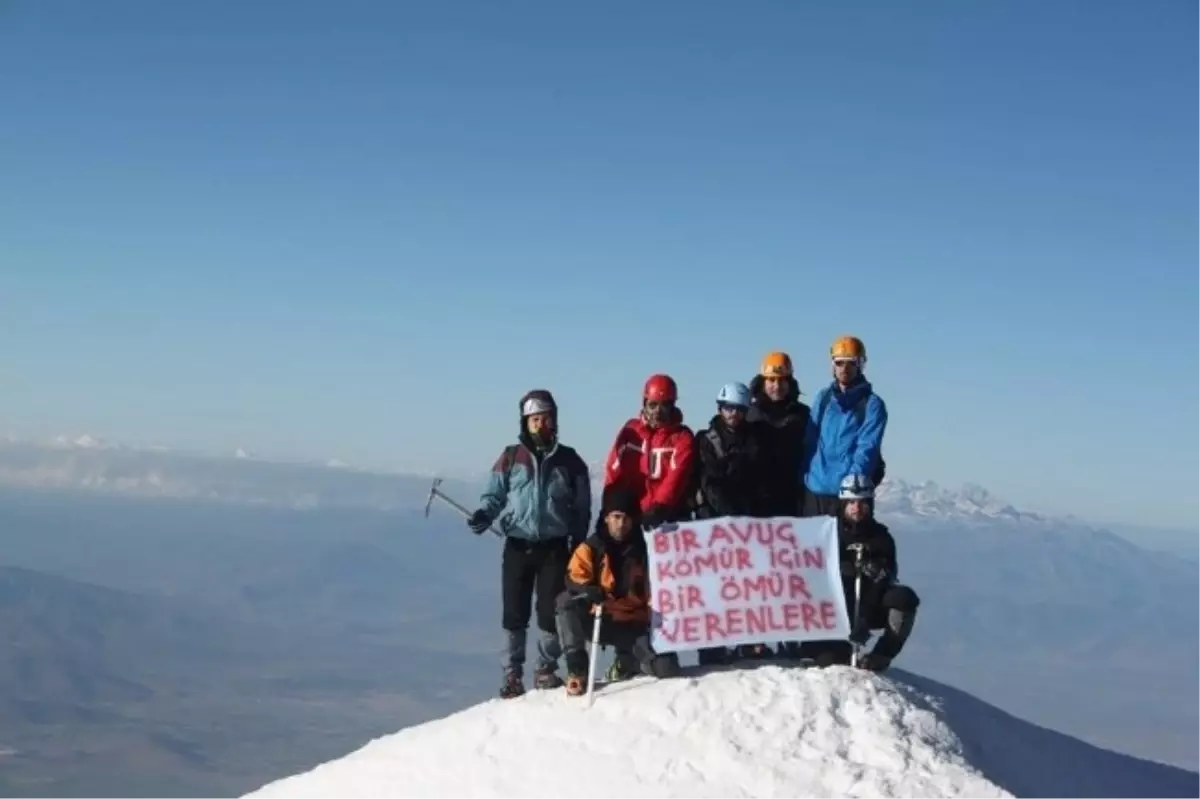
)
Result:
{"points": [[767, 731], [85, 441], [899, 497]]}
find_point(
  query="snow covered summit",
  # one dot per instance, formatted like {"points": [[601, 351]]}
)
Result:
{"points": [[769, 731]]}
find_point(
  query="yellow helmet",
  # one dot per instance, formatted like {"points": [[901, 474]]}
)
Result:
{"points": [[849, 347], [776, 364]]}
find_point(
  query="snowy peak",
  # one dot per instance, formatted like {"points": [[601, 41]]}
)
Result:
{"points": [[763, 733], [769, 731], [85, 441], [930, 499]]}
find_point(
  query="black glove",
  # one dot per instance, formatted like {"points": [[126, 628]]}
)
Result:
{"points": [[653, 517], [592, 593], [479, 521], [874, 571]]}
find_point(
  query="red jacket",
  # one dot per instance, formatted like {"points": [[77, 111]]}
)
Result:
{"points": [[655, 464]]}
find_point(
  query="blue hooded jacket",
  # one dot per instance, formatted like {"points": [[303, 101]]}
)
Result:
{"points": [[545, 499], [844, 436]]}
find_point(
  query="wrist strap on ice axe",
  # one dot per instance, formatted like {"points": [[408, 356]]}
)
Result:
{"points": [[436, 493]]}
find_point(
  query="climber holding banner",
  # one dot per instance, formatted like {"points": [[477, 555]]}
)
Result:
{"points": [[734, 581]]}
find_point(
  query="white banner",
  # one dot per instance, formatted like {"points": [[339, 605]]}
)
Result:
{"points": [[738, 580]]}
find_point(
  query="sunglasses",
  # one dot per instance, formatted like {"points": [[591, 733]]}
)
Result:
{"points": [[845, 361], [726, 408], [654, 405]]}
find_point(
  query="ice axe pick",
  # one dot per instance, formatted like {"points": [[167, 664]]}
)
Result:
{"points": [[436, 493]]}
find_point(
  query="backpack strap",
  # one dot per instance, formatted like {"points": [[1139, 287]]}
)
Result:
{"points": [[860, 413], [715, 439], [825, 398], [860, 407], [510, 457]]}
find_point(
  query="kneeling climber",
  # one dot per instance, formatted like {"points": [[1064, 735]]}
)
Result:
{"points": [[868, 558], [610, 569]]}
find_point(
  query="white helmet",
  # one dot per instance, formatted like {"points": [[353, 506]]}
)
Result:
{"points": [[734, 394], [856, 486]]}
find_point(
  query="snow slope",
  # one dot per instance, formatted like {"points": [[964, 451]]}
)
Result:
{"points": [[769, 731]]}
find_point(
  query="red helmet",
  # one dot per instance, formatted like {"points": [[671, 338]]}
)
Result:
{"points": [[660, 388]]}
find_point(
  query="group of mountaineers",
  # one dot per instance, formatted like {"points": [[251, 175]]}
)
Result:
{"points": [[764, 453]]}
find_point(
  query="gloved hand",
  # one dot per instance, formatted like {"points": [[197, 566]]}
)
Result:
{"points": [[479, 521], [653, 517], [594, 594], [874, 571]]}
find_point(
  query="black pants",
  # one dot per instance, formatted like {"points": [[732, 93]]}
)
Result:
{"points": [[630, 640], [890, 606], [528, 567]]}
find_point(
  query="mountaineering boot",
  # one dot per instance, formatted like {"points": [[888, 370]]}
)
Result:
{"points": [[754, 652], [624, 667], [713, 656], [576, 684], [833, 653], [663, 667], [545, 678], [513, 685], [873, 662]]}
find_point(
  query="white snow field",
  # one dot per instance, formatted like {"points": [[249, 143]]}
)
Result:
{"points": [[767, 731]]}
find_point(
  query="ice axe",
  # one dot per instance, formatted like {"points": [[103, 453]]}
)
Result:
{"points": [[597, 613], [858, 554], [436, 493]]}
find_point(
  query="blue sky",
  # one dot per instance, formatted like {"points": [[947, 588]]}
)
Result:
{"points": [[362, 230]]}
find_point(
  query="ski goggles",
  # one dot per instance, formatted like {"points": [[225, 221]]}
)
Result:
{"points": [[845, 361]]}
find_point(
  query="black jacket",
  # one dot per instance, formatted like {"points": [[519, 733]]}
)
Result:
{"points": [[734, 469], [879, 547], [785, 423]]}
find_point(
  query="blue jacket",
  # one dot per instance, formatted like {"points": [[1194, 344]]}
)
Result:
{"points": [[844, 436], [540, 500]]}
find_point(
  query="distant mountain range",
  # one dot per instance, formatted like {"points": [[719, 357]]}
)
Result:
{"points": [[91, 463]]}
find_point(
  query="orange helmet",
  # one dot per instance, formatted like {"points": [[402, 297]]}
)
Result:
{"points": [[849, 347], [776, 364]]}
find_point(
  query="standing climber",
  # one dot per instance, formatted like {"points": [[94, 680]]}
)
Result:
{"points": [[732, 459], [540, 493], [777, 406], [653, 454], [868, 554], [845, 433], [734, 473]]}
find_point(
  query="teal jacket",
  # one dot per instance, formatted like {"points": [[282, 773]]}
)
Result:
{"points": [[540, 498]]}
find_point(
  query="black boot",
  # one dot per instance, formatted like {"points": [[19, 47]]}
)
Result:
{"points": [[873, 662], [513, 686]]}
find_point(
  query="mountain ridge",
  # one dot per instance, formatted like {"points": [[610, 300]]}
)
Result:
{"points": [[94, 463]]}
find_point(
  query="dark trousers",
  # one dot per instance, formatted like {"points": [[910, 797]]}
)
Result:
{"points": [[528, 568], [890, 606], [631, 640]]}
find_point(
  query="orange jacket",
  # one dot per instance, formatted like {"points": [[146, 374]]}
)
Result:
{"points": [[627, 597]]}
